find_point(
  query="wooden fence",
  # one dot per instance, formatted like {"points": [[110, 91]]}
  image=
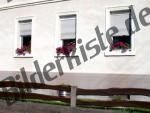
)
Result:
{"points": [[74, 92]]}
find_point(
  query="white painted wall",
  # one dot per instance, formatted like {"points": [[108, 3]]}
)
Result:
{"points": [[90, 13]]}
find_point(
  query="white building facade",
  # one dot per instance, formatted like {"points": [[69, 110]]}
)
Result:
{"points": [[122, 60]]}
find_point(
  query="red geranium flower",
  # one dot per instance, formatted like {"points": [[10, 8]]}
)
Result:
{"points": [[119, 44], [20, 51], [23, 50], [65, 50]]}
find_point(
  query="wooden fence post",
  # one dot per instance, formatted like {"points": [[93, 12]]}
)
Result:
{"points": [[73, 96]]}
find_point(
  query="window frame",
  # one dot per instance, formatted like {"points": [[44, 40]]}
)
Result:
{"points": [[58, 31], [130, 52], [17, 37]]}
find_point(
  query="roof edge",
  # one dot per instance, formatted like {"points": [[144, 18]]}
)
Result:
{"points": [[30, 4]]}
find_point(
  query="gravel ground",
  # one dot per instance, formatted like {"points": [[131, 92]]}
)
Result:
{"points": [[28, 107]]}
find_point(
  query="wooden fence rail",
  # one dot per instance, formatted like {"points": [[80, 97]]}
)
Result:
{"points": [[114, 91], [34, 85], [74, 92]]}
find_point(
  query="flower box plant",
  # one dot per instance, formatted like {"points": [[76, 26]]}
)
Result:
{"points": [[119, 45], [23, 50], [65, 49]]}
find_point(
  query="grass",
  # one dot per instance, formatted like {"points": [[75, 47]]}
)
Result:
{"points": [[52, 102]]}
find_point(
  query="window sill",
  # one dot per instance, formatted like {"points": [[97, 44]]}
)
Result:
{"points": [[23, 56], [119, 53], [63, 56]]}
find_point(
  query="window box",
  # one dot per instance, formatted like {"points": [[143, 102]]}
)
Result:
{"points": [[120, 43], [66, 49], [24, 50]]}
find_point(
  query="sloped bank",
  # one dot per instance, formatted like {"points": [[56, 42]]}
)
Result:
{"points": [[29, 107]]}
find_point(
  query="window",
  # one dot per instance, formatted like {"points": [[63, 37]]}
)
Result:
{"points": [[122, 42], [25, 36], [67, 35]]}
